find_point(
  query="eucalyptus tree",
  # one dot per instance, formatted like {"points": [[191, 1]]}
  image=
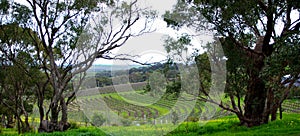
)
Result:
{"points": [[17, 93], [67, 36], [261, 43], [18, 88], [16, 55]]}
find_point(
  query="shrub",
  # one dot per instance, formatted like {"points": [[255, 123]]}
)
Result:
{"points": [[98, 120], [175, 117], [74, 125], [143, 122], [126, 122], [114, 125], [192, 119]]}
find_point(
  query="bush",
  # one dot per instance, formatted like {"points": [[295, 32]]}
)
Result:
{"points": [[114, 125], [74, 125], [175, 117], [143, 122], [126, 122], [192, 119], [98, 120], [295, 93]]}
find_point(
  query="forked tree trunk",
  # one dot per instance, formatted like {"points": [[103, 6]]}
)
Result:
{"points": [[56, 125], [25, 124]]}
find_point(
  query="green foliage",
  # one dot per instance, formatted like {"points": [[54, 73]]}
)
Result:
{"points": [[192, 119], [13, 33], [74, 125], [36, 34], [204, 70], [147, 88], [21, 14], [98, 120], [4, 6], [295, 93], [258, 54], [174, 88], [157, 83], [126, 122], [176, 47], [175, 117]]}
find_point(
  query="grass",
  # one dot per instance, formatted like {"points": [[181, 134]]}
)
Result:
{"points": [[229, 125], [225, 126]]}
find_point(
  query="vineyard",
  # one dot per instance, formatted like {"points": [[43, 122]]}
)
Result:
{"points": [[138, 107], [291, 106]]}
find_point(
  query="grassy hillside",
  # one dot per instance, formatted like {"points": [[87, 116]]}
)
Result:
{"points": [[225, 126]]}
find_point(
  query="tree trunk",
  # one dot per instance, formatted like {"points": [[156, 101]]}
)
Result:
{"points": [[41, 111], [10, 121], [20, 124], [269, 105], [64, 125], [54, 117], [26, 124], [280, 110], [3, 120], [274, 114], [16, 113], [255, 100]]}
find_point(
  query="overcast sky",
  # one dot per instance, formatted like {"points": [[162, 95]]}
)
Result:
{"points": [[150, 46]]}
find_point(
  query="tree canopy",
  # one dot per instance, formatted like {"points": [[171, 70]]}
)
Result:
{"points": [[62, 39], [260, 40]]}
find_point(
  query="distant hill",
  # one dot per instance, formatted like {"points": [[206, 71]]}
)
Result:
{"points": [[107, 75], [100, 68]]}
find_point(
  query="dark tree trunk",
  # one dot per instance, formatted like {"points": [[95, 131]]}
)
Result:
{"points": [[255, 102], [280, 110], [18, 125], [64, 117], [16, 112], [64, 125], [10, 121], [26, 127], [256, 96], [41, 111], [40, 102], [54, 117], [274, 114], [3, 120], [25, 124]]}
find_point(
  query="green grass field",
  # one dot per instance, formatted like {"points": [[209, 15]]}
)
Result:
{"points": [[225, 126], [221, 125]]}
